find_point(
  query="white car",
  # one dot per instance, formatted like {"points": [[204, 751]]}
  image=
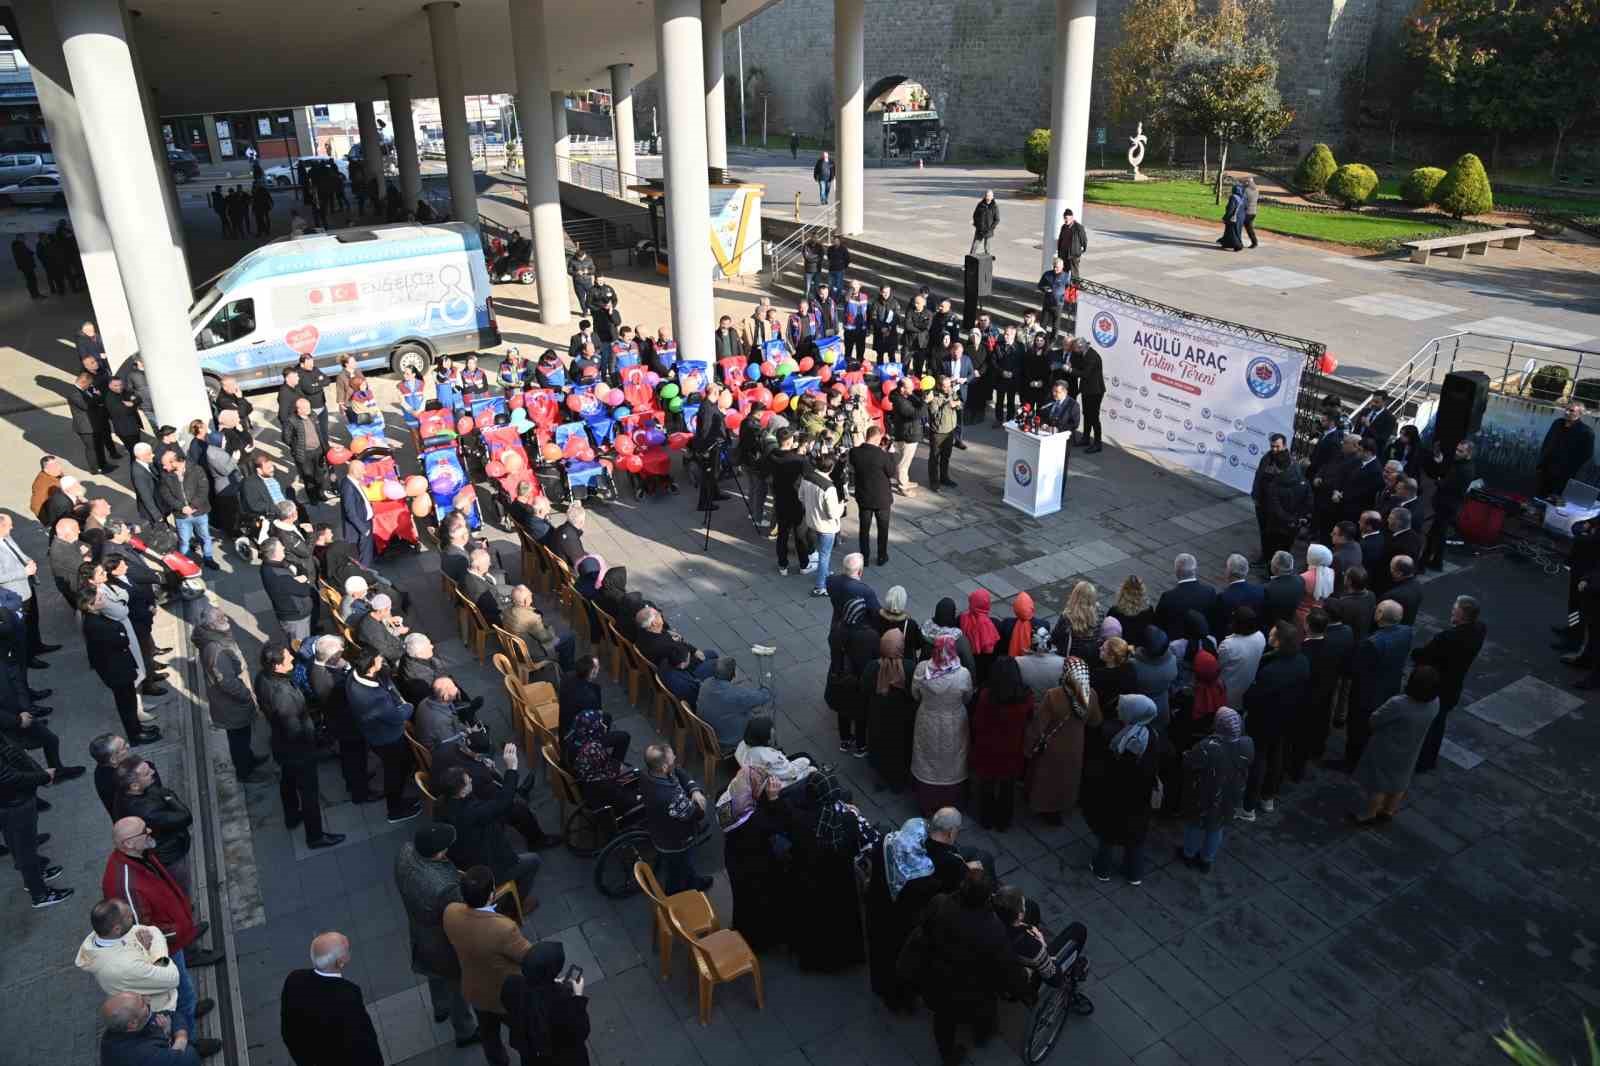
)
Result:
{"points": [[39, 189], [285, 174]]}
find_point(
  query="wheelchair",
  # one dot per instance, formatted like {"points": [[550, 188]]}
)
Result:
{"points": [[1055, 999]]}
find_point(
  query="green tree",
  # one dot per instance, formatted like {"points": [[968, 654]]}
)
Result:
{"points": [[1465, 189], [1139, 67], [1353, 184], [1483, 64], [1567, 83], [1036, 152], [1229, 91], [1421, 185], [1315, 169]]}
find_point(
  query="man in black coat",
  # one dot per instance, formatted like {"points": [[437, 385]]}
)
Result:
{"points": [[1072, 240], [294, 743], [1404, 588], [1362, 485], [1346, 548], [323, 1018], [1330, 485], [1403, 540], [1288, 504], [1378, 669], [92, 425], [985, 220], [1374, 550], [873, 469], [292, 595], [1328, 446], [1088, 380], [144, 479], [288, 393], [1281, 597], [122, 412], [787, 466], [1328, 648], [566, 540], [1452, 653], [1452, 477], [1568, 446], [710, 430], [480, 822], [1190, 594]]}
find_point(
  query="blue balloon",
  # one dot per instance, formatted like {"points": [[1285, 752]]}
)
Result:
{"points": [[753, 372], [620, 412]]}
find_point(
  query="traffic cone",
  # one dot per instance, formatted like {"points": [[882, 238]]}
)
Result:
{"points": [[919, 162]]}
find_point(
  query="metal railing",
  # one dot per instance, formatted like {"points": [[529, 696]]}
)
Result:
{"points": [[1511, 363], [586, 175], [820, 225]]}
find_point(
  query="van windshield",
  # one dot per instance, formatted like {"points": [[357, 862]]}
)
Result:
{"points": [[202, 307]]}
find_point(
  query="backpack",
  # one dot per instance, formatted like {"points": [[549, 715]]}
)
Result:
{"points": [[304, 658]]}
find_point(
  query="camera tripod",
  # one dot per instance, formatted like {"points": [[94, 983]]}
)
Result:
{"points": [[712, 469]]}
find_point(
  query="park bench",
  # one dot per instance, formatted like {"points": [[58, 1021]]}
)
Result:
{"points": [[1464, 243]]}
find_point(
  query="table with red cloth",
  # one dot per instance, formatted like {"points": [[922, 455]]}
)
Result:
{"points": [[391, 520]]}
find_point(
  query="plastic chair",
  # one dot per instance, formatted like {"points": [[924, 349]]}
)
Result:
{"points": [[640, 669], [429, 800], [423, 756], [507, 890], [705, 738], [615, 639], [693, 908], [522, 660], [476, 632], [720, 956]]}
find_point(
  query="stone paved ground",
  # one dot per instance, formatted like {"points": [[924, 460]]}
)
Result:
{"points": [[1307, 943]]}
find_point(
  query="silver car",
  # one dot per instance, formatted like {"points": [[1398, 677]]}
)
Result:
{"points": [[14, 168], [39, 189]]}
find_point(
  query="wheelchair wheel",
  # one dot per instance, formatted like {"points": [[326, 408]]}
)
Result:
{"points": [[613, 872], [585, 832], [1045, 1022]]}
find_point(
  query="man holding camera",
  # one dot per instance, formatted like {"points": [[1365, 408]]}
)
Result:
{"points": [[944, 420], [706, 446]]}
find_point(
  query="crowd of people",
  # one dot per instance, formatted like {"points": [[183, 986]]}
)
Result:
{"points": [[1203, 706]]}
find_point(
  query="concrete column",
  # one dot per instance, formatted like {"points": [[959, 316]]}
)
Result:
{"points": [[371, 143], [100, 64], [65, 130], [849, 99], [1070, 83], [208, 126], [405, 137], [532, 61], [689, 263], [304, 142], [158, 143], [560, 140], [453, 108], [622, 118], [716, 106]]}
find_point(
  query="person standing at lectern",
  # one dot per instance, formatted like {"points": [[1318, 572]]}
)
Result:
{"points": [[1062, 414], [1072, 241], [985, 220]]}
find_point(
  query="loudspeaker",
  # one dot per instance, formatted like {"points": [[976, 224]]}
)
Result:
{"points": [[979, 277], [1462, 400]]}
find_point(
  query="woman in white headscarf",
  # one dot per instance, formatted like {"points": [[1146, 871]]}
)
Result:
{"points": [[1318, 580]]}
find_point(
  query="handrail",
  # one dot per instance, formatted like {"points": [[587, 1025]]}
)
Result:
{"points": [[783, 252]]}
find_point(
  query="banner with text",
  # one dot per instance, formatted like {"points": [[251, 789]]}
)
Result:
{"points": [[1201, 397]]}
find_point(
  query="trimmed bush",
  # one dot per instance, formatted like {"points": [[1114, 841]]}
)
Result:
{"points": [[1549, 382], [1315, 169], [1353, 184], [1036, 152], [1419, 186], [1587, 391], [1465, 190]]}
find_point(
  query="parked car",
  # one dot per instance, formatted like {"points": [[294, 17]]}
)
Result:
{"points": [[183, 166], [284, 174], [15, 167], [354, 157], [39, 189]]}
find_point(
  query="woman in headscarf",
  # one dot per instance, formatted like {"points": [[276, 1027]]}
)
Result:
{"points": [[946, 622], [891, 710], [548, 1016], [1016, 632], [592, 762], [1389, 760], [1318, 579], [1196, 639], [902, 884], [1214, 773], [892, 615], [1117, 786], [852, 644], [1054, 743], [1272, 707], [1208, 696], [1155, 668], [1077, 631], [1113, 674], [999, 722], [940, 740], [828, 833], [1133, 609], [980, 632], [1041, 667], [747, 810]]}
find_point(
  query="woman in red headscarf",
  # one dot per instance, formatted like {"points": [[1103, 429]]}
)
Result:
{"points": [[1016, 632], [980, 631]]}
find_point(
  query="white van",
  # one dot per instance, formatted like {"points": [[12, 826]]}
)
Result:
{"points": [[393, 295]]}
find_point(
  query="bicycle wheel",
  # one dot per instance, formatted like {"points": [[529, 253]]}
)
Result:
{"points": [[1044, 1024], [585, 834], [613, 871]]}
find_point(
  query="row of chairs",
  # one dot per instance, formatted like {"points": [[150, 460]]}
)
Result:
{"points": [[720, 955]]}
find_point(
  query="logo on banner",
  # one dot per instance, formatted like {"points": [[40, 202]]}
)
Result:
{"points": [[1221, 437], [1116, 382], [1233, 460], [1171, 436], [1128, 403], [1104, 327], [1187, 425], [1253, 448], [1263, 377], [1022, 472], [1205, 412]]}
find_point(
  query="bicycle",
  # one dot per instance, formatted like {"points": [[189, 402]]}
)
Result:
{"points": [[1056, 1000], [613, 870]]}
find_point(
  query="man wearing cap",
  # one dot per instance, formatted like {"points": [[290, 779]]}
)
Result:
{"points": [[380, 632], [428, 883]]}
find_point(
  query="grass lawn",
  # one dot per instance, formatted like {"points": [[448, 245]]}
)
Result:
{"points": [[1194, 200]]}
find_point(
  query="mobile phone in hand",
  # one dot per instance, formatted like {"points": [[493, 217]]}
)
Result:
{"points": [[573, 973]]}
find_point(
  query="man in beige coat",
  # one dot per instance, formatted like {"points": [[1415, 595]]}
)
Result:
{"points": [[126, 957], [490, 947]]}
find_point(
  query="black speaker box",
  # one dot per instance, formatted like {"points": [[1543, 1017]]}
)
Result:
{"points": [[1462, 400]]}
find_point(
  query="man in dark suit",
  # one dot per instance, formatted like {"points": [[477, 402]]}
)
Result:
{"points": [[1363, 484], [355, 513], [566, 540], [479, 586], [480, 820], [1379, 667], [1238, 592], [262, 489], [1568, 447], [1190, 594], [1328, 646], [585, 335], [1281, 597], [1089, 385], [874, 469], [1331, 484], [1403, 539], [710, 429], [1374, 550], [323, 1020], [1063, 413], [144, 478], [1267, 470], [1404, 588], [1327, 449], [1346, 550], [1451, 653]]}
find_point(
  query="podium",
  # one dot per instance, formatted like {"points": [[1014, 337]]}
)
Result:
{"points": [[1035, 467]]}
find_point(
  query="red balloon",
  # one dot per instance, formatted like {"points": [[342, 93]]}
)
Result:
{"points": [[574, 402], [825, 375], [769, 369], [734, 420], [888, 387], [1328, 364], [586, 453], [338, 455], [765, 418], [631, 463], [625, 445], [465, 425], [679, 441], [806, 364], [551, 451], [515, 400], [495, 468]]}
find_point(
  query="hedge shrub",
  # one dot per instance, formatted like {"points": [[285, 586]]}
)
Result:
{"points": [[1549, 382], [1419, 186], [1465, 190], [1353, 184], [1036, 152], [1315, 169]]}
